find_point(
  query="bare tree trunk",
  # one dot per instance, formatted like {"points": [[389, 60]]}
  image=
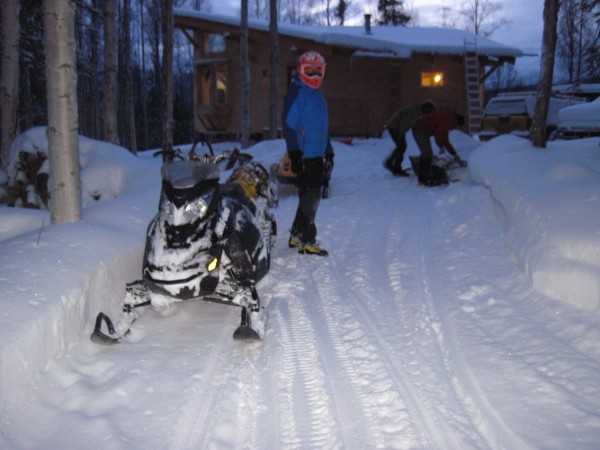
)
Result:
{"points": [[63, 119], [245, 65], [126, 59], [111, 129], [9, 79], [96, 94], [273, 75], [167, 76], [143, 92], [540, 117]]}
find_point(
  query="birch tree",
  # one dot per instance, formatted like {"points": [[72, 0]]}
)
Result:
{"points": [[538, 127], [63, 120], [9, 78]]}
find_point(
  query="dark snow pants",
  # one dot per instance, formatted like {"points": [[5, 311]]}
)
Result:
{"points": [[309, 184], [397, 156], [424, 143]]}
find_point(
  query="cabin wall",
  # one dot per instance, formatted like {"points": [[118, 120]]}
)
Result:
{"points": [[361, 92]]}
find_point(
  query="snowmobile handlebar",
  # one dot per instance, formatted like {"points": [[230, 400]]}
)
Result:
{"points": [[232, 156]]}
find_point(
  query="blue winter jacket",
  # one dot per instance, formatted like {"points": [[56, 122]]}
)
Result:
{"points": [[306, 121]]}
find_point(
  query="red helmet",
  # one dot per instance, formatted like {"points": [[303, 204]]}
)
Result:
{"points": [[311, 69]]}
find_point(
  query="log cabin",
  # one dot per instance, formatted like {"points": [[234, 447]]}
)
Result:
{"points": [[371, 71]]}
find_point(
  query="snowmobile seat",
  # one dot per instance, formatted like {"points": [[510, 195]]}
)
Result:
{"points": [[236, 191]]}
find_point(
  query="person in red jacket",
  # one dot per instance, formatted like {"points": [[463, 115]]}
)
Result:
{"points": [[438, 125]]}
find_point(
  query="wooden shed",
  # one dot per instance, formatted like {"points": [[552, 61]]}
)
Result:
{"points": [[371, 71]]}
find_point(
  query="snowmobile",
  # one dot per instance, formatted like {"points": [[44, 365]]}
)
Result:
{"points": [[282, 172], [209, 240]]}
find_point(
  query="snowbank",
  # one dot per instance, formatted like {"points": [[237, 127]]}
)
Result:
{"points": [[106, 169], [551, 203], [464, 322]]}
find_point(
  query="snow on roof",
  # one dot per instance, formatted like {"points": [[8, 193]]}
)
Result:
{"points": [[396, 41], [585, 116]]}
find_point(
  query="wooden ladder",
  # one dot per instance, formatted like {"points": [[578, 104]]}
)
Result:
{"points": [[474, 103]]}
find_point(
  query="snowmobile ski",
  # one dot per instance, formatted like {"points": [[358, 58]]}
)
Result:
{"points": [[136, 300], [99, 337], [245, 332]]}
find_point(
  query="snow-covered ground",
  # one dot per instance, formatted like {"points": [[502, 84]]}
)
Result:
{"points": [[455, 317]]}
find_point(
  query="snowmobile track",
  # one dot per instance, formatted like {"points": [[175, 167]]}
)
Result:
{"points": [[194, 427], [467, 391]]}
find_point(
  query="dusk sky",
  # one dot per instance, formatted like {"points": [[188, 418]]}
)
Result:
{"points": [[524, 28]]}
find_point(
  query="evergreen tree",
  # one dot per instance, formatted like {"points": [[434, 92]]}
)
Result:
{"points": [[340, 11], [391, 12]]}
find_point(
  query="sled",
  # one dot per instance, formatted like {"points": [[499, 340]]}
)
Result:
{"points": [[283, 174], [443, 170]]}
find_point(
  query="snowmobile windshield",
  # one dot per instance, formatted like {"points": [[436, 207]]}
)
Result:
{"points": [[186, 181]]}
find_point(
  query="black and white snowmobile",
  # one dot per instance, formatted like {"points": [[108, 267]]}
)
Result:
{"points": [[208, 241]]}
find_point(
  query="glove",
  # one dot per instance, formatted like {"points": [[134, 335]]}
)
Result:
{"points": [[329, 158], [297, 162], [328, 167]]}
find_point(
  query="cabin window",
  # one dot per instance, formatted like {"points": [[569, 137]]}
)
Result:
{"points": [[215, 43], [221, 84], [212, 84], [204, 84], [432, 79]]}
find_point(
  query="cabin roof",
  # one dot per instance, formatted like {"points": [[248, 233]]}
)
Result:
{"points": [[391, 41]]}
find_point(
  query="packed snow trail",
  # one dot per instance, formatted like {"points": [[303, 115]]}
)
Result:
{"points": [[400, 339]]}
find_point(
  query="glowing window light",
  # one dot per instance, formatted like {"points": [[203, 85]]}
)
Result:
{"points": [[432, 79]]}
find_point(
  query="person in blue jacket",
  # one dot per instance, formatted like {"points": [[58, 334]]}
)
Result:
{"points": [[306, 133]]}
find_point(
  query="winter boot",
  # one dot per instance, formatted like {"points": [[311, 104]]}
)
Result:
{"points": [[312, 249], [294, 241], [389, 164]]}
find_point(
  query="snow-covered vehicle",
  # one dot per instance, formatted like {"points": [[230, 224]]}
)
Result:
{"points": [[512, 113], [579, 121], [208, 241]]}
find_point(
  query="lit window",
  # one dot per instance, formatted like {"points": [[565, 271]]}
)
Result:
{"points": [[221, 84], [212, 84], [432, 79]]}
